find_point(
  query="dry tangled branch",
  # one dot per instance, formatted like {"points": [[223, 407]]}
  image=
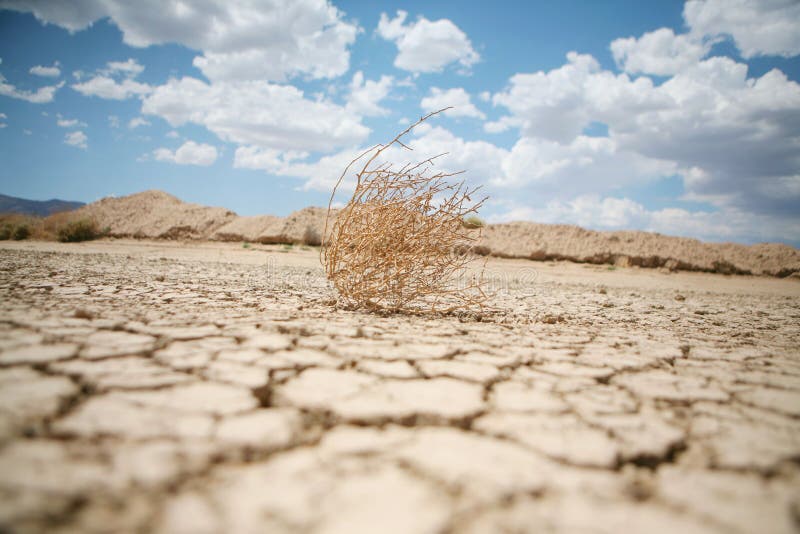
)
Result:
{"points": [[400, 242]]}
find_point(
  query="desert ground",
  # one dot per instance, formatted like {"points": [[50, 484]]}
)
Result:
{"points": [[157, 386]]}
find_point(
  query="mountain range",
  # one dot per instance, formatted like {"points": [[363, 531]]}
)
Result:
{"points": [[40, 208]]}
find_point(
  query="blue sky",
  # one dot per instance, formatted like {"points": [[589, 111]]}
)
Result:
{"points": [[678, 118]]}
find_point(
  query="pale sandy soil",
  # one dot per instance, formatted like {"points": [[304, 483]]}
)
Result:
{"points": [[162, 387]]}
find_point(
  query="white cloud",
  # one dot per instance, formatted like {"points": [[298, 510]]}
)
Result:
{"points": [[457, 97], [115, 82], [138, 121], [426, 46], [552, 104], [189, 153], [660, 52], [615, 213], [481, 159], [3, 117], [587, 164], [70, 123], [256, 113], [113, 121], [365, 95], [267, 159], [738, 134], [502, 124], [532, 167], [42, 95], [73, 16], [758, 27], [48, 72], [108, 88], [131, 67], [172, 134], [77, 139], [239, 40], [594, 212]]}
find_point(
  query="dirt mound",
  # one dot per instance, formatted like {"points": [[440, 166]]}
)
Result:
{"points": [[252, 229], [158, 215], [301, 227], [155, 214], [645, 249]]}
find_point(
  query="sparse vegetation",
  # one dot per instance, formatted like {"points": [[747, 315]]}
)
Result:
{"points": [[400, 242], [78, 230], [473, 221], [17, 226], [23, 231], [245, 245], [311, 236]]}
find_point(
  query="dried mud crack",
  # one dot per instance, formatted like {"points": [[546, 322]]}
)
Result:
{"points": [[160, 387]]}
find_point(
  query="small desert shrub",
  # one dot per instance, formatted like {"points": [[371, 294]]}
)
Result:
{"points": [[78, 230], [311, 237], [473, 221], [400, 243], [17, 226], [23, 231], [52, 224]]}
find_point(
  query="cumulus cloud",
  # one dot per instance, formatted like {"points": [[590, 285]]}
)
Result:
{"points": [[3, 118], [115, 82], [482, 159], [758, 27], [108, 88], [501, 125], [457, 97], [660, 52], [587, 164], [620, 213], [42, 95], [189, 153], [138, 121], [365, 95], [73, 16], [47, 72], [427, 46], [238, 40], [130, 67], [256, 113], [69, 123], [77, 139], [733, 138]]}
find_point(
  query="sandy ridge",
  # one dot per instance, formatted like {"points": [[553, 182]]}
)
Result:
{"points": [[158, 215]]}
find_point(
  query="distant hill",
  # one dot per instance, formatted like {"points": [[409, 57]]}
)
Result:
{"points": [[40, 208], [158, 215]]}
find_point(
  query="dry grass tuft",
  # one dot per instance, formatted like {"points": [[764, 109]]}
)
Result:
{"points": [[63, 226], [400, 243]]}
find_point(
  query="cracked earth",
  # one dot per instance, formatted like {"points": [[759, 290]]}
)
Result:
{"points": [[158, 387]]}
